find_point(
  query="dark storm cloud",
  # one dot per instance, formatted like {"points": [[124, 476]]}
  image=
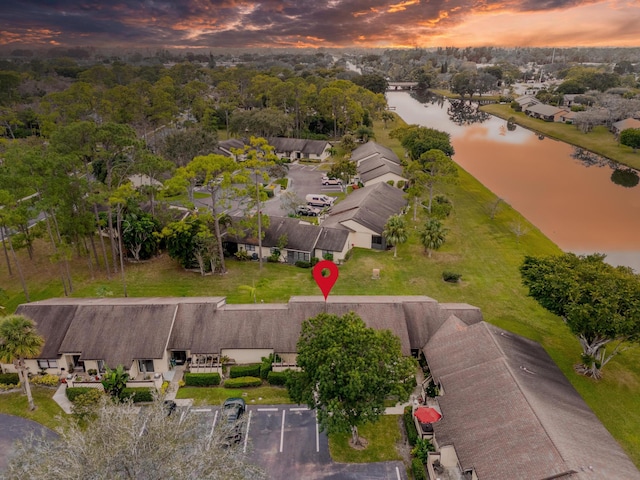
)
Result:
{"points": [[237, 23]]}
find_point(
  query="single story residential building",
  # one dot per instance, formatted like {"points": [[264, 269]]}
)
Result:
{"points": [[508, 411], [300, 148], [548, 113], [365, 212], [372, 149], [618, 127], [302, 241]]}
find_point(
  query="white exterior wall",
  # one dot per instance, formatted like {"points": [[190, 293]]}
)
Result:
{"points": [[337, 256], [247, 355], [385, 178]]}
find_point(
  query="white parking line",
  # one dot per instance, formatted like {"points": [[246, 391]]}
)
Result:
{"points": [[398, 473], [201, 410], [282, 431], [213, 426], [299, 409], [246, 434], [267, 409]]}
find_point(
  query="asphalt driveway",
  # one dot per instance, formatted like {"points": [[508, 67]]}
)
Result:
{"points": [[16, 428]]}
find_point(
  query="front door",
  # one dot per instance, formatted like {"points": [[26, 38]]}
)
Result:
{"points": [[179, 357]]}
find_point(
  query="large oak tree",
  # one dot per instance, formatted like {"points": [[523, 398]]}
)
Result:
{"points": [[347, 371], [599, 303]]}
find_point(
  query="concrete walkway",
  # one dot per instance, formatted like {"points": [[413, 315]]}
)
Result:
{"points": [[60, 397], [178, 373]]}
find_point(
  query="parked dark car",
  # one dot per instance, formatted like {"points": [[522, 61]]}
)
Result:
{"points": [[307, 210], [232, 411]]}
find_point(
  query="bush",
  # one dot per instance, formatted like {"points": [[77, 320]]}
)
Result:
{"points": [[9, 378], [74, 392], [451, 277], [137, 394], [314, 261], [410, 426], [242, 382], [390, 182], [238, 371], [242, 255], [419, 472], [265, 366], [400, 184], [303, 264], [327, 256], [92, 372], [422, 449], [441, 207], [46, 380], [516, 106], [277, 378], [201, 379]]}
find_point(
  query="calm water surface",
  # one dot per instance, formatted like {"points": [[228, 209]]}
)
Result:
{"points": [[576, 206]]}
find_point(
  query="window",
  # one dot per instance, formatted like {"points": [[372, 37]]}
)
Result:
{"points": [[145, 366], [48, 363], [294, 256], [250, 248], [376, 240]]}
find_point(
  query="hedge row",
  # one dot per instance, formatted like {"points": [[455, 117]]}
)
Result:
{"points": [[138, 394], [410, 426], [242, 382], [277, 378], [201, 379], [419, 472], [74, 392], [238, 371], [9, 378]]}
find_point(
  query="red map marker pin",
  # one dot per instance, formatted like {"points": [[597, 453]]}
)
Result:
{"points": [[325, 283]]}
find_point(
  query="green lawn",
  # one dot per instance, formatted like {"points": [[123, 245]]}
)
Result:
{"points": [[47, 412], [484, 251], [253, 396], [381, 436], [600, 140]]}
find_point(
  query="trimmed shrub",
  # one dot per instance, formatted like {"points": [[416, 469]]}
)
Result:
{"points": [[441, 207], [265, 366], [303, 264], [46, 380], [419, 472], [400, 184], [238, 371], [390, 182], [451, 277], [242, 255], [410, 426], [138, 394], [277, 378], [242, 382], [74, 392], [9, 378], [201, 379]]}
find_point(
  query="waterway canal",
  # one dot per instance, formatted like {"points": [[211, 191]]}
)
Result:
{"points": [[571, 200]]}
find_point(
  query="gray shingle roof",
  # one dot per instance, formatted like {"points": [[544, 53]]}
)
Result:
{"points": [[332, 239], [52, 324], [370, 207], [377, 166], [309, 147], [372, 148], [511, 413]]}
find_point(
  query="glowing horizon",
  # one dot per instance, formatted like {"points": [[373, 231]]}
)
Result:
{"points": [[324, 23]]}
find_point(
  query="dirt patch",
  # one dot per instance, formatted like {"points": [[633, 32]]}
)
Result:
{"points": [[364, 443]]}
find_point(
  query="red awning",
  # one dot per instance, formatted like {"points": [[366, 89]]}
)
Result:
{"points": [[427, 415]]}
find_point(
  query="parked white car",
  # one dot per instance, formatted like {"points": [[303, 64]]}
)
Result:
{"points": [[331, 181], [317, 200]]}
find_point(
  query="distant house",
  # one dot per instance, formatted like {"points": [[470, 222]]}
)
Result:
{"points": [[376, 164], [548, 113], [618, 127], [300, 149], [507, 411], [527, 100], [365, 212], [565, 117], [303, 241], [225, 146]]}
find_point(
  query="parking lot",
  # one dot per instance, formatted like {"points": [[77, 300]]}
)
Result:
{"points": [[286, 442]]}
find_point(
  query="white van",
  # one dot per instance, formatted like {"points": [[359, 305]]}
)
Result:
{"points": [[318, 200]]}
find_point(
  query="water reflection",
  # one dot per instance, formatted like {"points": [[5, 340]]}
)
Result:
{"points": [[590, 159], [466, 113], [583, 210]]}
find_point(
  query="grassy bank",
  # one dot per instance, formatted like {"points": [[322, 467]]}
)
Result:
{"points": [[483, 250], [47, 412], [600, 140]]}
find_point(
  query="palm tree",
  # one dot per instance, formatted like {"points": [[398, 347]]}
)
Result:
{"points": [[433, 235], [395, 232], [19, 340]]}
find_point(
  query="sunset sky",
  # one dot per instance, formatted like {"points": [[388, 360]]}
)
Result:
{"points": [[319, 23]]}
